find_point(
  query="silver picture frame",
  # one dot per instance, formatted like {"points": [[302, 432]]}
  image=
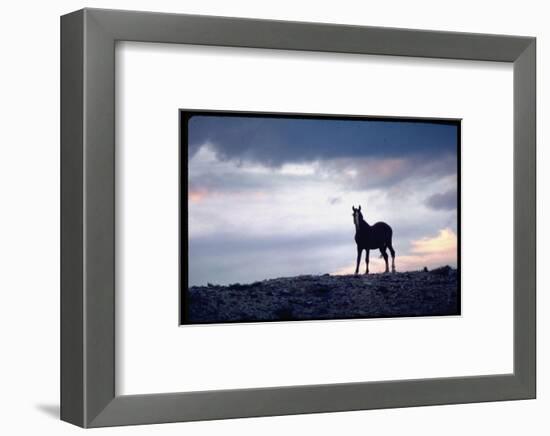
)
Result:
{"points": [[88, 396]]}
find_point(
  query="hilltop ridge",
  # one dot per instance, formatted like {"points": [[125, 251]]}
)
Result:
{"points": [[312, 297]]}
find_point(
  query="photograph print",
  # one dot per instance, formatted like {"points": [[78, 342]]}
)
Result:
{"points": [[292, 217]]}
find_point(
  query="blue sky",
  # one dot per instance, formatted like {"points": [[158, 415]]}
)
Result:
{"points": [[272, 197]]}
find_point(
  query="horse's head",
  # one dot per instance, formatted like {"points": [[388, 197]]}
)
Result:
{"points": [[357, 215]]}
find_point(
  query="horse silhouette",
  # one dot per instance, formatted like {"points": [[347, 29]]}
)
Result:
{"points": [[367, 237]]}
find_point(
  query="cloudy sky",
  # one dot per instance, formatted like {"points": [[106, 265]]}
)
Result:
{"points": [[271, 197]]}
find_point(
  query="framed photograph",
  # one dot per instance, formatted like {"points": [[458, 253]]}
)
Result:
{"points": [[290, 180], [266, 217]]}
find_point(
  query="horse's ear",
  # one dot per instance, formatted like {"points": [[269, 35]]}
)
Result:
{"points": [[359, 208], [353, 208]]}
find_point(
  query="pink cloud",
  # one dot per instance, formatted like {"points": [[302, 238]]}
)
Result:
{"points": [[197, 196], [445, 241]]}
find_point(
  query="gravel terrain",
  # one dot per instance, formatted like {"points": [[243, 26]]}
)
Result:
{"points": [[418, 293]]}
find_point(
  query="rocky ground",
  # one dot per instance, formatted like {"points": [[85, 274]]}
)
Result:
{"points": [[418, 293]]}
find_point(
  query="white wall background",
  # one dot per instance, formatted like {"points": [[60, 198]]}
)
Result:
{"points": [[29, 219]]}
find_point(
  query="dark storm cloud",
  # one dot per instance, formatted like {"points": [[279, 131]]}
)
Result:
{"points": [[276, 141], [443, 201]]}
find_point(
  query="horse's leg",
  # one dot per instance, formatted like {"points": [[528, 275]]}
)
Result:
{"points": [[392, 252], [359, 250], [385, 256], [367, 260]]}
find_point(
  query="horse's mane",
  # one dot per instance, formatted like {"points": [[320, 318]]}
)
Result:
{"points": [[362, 222]]}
